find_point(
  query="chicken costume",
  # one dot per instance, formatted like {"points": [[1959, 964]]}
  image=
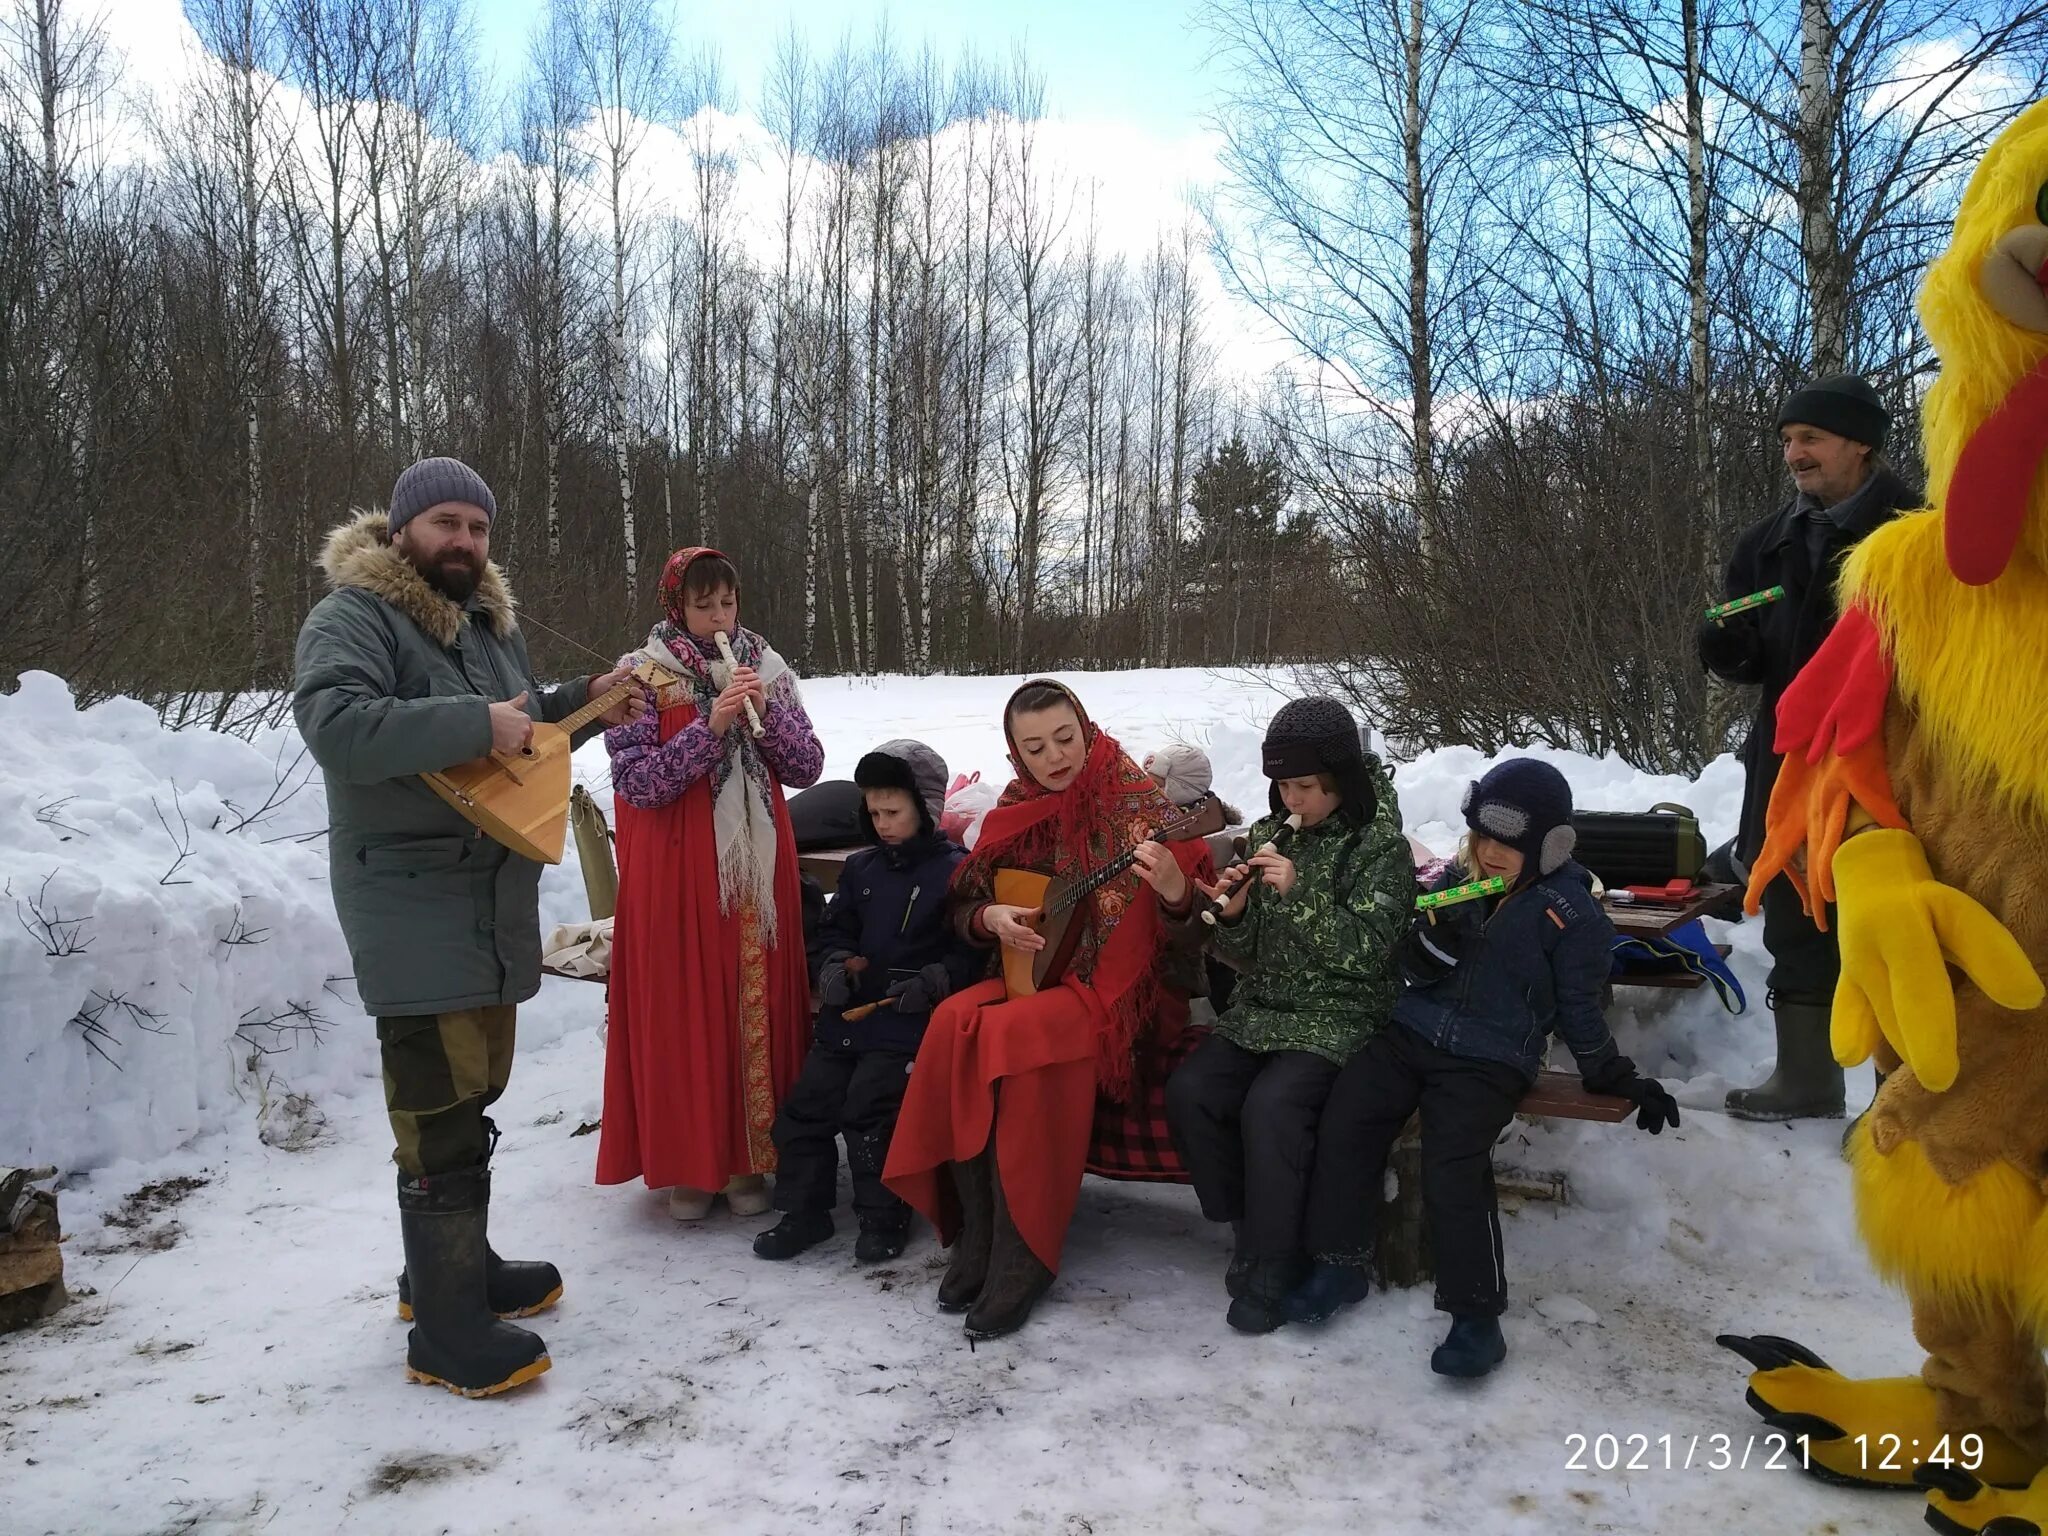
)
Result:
{"points": [[1915, 796]]}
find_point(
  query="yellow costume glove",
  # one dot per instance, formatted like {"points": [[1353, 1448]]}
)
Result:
{"points": [[1901, 929]]}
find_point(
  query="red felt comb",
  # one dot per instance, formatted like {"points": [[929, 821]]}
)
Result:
{"points": [[1987, 496]]}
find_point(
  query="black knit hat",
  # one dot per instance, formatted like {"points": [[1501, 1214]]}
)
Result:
{"points": [[433, 481], [1528, 806], [1318, 735], [1842, 404]]}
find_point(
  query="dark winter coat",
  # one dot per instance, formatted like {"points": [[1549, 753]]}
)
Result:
{"points": [[1767, 646], [890, 909], [392, 680], [1490, 980], [1317, 963]]}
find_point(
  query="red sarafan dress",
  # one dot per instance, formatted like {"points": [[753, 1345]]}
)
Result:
{"points": [[709, 1002], [1050, 1052]]}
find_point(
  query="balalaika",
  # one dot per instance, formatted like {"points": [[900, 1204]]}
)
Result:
{"points": [[521, 799]]}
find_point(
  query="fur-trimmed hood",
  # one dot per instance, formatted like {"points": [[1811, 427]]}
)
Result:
{"points": [[359, 554]]}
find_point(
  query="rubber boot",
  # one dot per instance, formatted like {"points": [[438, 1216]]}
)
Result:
{"points": [[1016, 1277], [512, 1287], [1263, 1306], [797, 1231], [968, 1271], [1807, 1081], [456, 1341], [1328, 1289], [1473, 1347], [1240, 1262]]}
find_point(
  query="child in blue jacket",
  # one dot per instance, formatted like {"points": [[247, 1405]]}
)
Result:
{"points": [[1484, 983], [890, 956]]}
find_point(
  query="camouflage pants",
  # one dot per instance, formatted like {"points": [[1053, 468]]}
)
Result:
{"points": [[441, 1072]]}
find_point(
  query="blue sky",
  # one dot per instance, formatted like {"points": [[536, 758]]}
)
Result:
{"points": [[1134, 61]]}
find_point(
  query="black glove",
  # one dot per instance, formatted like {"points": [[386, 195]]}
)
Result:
{"points": [[1430, 951], [1731, 645], [924, 991], [835, 987], [1655, 1108]]}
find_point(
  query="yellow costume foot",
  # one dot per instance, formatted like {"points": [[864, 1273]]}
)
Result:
{"points": [[1961, 1504], [1866, 1434]]}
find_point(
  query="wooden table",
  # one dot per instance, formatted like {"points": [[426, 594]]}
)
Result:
{"points": [[1646, 920], [824, 864]]}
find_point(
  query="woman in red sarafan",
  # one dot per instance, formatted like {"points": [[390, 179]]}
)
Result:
{"points": [[994, 1130], [709, 1005]]}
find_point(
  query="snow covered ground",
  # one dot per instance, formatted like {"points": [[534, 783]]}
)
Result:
{"points": [[177, 1032]]}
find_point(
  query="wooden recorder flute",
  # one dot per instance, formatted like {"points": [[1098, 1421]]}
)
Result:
{"points": [[725, 650], [1212, 906]]}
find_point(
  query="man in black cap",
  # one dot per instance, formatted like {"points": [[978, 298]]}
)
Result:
{"points": [[1832, 433]]}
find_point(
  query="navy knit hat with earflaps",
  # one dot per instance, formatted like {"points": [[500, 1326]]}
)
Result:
{"points": [[1527, 805]]}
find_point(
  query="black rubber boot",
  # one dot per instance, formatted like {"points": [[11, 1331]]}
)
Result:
{"points": [[456, 1341], [1240, 1262], [1473, 1347], [1807, 1081], [797, 1231], [881, 1239], [512, 1287], [1016, 1278], [968, 1271], [1263, 1306]]}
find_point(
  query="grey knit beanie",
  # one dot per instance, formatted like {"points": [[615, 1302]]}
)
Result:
{"points": [[433, 481], [1184, 772]]}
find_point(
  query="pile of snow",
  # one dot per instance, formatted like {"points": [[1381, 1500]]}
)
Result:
{"points": [[169, 956]]}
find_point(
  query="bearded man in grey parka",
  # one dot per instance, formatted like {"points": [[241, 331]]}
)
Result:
{"points": [[414, 663]]}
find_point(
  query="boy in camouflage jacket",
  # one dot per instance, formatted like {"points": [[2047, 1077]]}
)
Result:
{"points": [[1312, 925]]}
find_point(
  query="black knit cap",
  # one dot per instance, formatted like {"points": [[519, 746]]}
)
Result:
{"points": [[1527, 805], [1319, 735], [433, 481], [1842, 404]]}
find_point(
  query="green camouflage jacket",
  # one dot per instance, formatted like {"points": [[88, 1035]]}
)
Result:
{"points": [[1318, 962]]}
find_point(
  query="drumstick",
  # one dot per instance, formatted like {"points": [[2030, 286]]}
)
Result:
{"points": [[725, 650]]}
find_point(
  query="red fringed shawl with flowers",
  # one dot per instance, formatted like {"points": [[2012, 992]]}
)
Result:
{"points": [[1111, 806], [1052, 1051]]}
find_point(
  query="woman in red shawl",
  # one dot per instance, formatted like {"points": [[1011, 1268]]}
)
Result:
{"points": [[1003, 1092], [709, 1008]]}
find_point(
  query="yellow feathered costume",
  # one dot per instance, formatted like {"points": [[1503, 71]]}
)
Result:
{"points": [[1915, 796]]}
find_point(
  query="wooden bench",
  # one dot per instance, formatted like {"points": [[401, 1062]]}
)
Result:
{"points": [[1647, 921]]}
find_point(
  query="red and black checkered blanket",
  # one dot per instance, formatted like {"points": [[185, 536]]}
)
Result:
{"points": [[1130, 1140]]}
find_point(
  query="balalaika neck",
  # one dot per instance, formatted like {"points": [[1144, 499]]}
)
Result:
{"points": [[572, 723], [1088, 885]]}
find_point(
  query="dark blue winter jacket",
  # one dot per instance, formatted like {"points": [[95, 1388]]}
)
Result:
{"points": [[890, 909], [1491, 979]]}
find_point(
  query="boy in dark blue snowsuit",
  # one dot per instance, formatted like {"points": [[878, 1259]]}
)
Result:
{"points": [[1484, 983], [890, 957]]}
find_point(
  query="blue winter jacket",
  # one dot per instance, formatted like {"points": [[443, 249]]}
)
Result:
{"points": [[1520, 966], [890, 909]]}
